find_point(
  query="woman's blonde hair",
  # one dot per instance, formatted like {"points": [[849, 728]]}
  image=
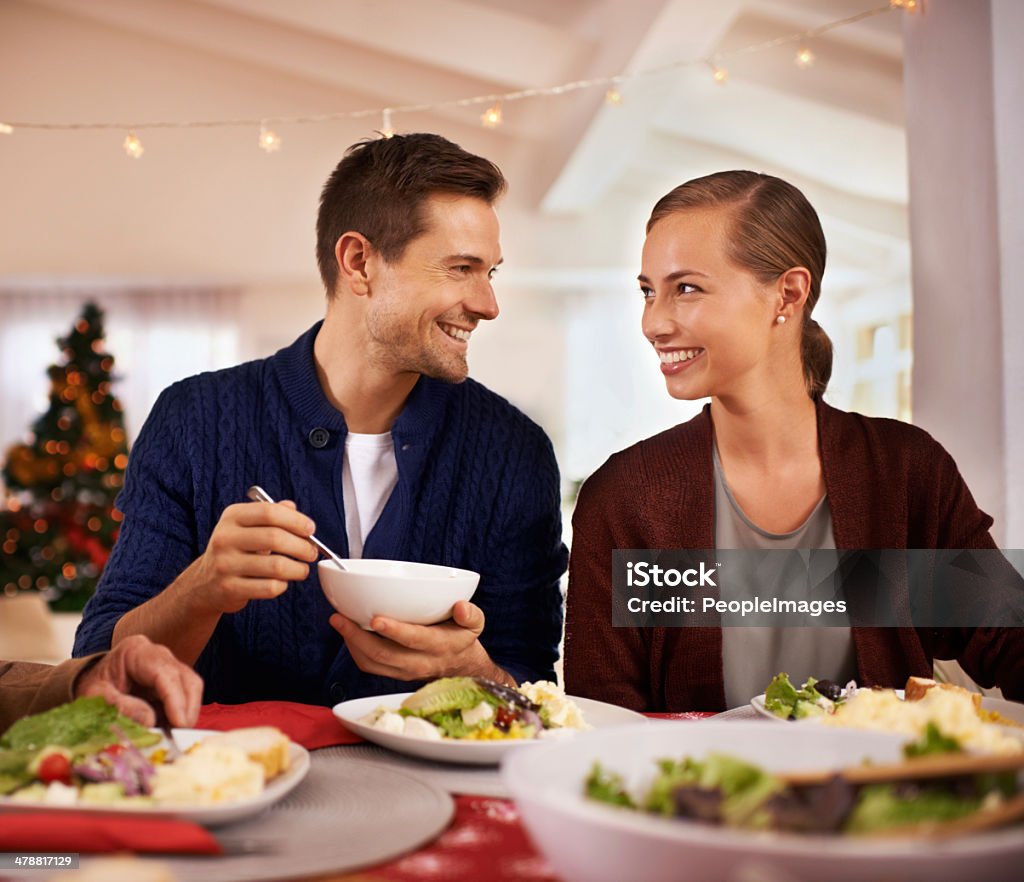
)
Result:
{"points": [[774, 228]]}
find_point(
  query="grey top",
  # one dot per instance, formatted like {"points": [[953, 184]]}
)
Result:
{"points": [[752, 656]]}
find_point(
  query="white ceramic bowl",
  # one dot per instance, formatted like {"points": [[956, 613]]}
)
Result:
{"points": [[418, 593], [587, 841]]}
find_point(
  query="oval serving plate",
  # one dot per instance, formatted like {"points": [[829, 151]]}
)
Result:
{"points": [[208, 815], [479, 753]]}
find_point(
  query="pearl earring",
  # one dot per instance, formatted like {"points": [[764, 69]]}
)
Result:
{"points": [[781, 320]]}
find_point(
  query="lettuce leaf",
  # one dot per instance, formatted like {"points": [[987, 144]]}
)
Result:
{"points": [[83, 726]]}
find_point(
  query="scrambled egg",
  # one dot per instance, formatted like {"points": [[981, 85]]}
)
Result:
{"points": [[952, 712], [207, 775], [559, 710]]}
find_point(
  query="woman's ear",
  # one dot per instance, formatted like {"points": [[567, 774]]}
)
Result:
{"points": [[352, 251], [793, 286]]}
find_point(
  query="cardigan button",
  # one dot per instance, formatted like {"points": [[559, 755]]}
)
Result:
{"points": [[319, 437], [337, 692]]}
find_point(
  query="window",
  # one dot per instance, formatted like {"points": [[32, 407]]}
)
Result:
{"points": [[157, 335]]}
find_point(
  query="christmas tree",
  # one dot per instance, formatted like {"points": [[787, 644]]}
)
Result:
{"points": [[59, 523]]}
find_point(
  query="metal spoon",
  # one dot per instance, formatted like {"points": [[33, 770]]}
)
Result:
{"points": [[258, 494]]}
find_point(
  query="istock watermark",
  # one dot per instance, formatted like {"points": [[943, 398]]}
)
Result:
{"points": [[947, 588], [641, 574]]}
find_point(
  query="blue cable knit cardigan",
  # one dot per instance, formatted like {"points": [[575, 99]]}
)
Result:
{"points": [[477, 488]]}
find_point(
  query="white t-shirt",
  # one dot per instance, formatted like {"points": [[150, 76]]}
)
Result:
{"points": [[368, 476]]}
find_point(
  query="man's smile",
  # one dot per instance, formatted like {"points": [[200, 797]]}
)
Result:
{"points": [[455, 332]]}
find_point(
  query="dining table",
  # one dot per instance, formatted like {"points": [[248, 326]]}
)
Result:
{"points": [[474, 830]]}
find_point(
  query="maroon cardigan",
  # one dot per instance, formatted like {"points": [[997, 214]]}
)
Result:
{"points": [[889, 485]]}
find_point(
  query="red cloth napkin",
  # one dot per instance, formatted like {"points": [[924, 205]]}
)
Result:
{"points": [[97, 834], [310, 725]]}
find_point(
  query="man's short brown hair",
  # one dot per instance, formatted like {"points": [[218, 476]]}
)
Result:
{"points": [[379, 188]]}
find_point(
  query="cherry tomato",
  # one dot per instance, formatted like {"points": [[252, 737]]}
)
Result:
{"points": [[55, 767], [114, 749], [504, 718]]}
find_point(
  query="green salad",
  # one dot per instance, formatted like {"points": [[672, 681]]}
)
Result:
{"points": [[728, 791], [59, 745], [814, 699]]}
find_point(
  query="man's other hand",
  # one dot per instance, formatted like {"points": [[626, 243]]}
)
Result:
{"points": [[422, 652]]}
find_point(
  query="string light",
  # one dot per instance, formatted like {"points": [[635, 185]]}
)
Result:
{"points": [[804, 58], [269, 139], [133, 146], [491, 118], [386, 129]]}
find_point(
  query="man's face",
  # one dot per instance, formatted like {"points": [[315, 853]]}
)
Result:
{"points": [[424, 306]]}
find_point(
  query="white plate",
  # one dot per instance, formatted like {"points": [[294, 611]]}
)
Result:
{"points": [[1012, 710], [210, 815], [757, 703], [477, 753], [587, 841]]}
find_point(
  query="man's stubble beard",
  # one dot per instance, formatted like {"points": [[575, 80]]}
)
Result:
{"points": [[392, 352]]}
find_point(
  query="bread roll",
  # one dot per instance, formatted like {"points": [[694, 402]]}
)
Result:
{"points": [[265, 745], [917, 687]]}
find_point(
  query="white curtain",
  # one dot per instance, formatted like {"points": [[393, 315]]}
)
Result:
{"points": [[156, 334]]}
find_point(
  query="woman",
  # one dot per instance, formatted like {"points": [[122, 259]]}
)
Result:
{"points": [[731, 272]]}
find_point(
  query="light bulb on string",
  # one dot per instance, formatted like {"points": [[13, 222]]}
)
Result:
{"points": [[491, 118], [269, 140], [133, 146], [804, 58], [386, 129]]}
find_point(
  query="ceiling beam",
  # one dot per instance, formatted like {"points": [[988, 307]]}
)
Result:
{"points": [[324, 61], [670, 159], [878, 33], [681, 31], [862, 78], [467, 38], [843, 150], [618, 29]]}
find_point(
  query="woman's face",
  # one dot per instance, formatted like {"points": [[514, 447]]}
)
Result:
{"points": [[711, 322]]}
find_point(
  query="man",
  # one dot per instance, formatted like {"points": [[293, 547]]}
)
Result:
{"points": [[131, 676], [369, 426]]}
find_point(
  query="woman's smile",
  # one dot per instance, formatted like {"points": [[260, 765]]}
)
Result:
{"points": [[675, 361]]}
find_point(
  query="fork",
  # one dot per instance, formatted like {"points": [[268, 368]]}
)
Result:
{"points": [[173, 751]]}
